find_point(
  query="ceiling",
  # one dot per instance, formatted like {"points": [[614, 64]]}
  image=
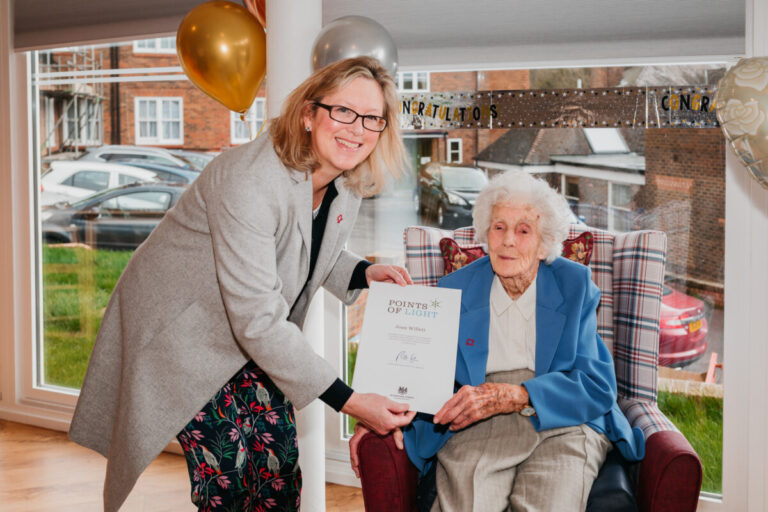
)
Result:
{"points": [[450, 34]]}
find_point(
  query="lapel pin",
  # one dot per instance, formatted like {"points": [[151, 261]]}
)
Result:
{"points": [[470, 342], [339, 219]]}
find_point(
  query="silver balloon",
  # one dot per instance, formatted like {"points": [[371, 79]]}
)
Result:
{"points": [[354, 36]]}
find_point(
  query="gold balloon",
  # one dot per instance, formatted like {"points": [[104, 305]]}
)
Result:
{"points": [[223, 51]]}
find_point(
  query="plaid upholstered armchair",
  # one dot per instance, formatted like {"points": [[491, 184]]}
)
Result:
{"points": [[629, 270]]}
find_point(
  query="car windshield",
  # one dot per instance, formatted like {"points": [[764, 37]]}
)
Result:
{"points": [[82, 202], [196, 163], [463, 178]]}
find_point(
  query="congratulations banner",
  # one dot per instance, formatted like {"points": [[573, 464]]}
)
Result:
{"points": [[636, 107]]}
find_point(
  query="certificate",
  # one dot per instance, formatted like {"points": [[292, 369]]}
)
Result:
{"points": [[408, 344]]}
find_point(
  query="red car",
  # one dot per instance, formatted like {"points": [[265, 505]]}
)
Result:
{"points": [[683, 337]]}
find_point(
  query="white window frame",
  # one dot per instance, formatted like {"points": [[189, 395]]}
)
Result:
{"points": [[414, 80], [450, 151], [158, 140], [613, 209], [255, 121], [156, 46], [50, 122], [94, 123]]}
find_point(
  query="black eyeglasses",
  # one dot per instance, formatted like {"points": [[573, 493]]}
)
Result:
{"points": [[348, 116]]}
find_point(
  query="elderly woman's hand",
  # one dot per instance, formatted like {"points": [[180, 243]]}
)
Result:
{"points": [[387, 274], [360, 431], [472, 404]]}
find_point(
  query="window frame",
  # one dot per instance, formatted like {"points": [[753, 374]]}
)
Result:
{"points": [[156, 50], [158, 140], [50, 123], [415, 81], [450, 151], [251, 117], [94, 123]]}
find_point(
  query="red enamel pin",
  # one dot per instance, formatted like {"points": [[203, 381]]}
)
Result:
{"points": [[339, 219], [470, 342]]}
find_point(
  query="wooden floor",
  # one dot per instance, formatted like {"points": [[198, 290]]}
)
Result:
{"points": [[42, 470]]}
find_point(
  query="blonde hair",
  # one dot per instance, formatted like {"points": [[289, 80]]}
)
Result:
{"points": [[294, 145], [520, 188]]}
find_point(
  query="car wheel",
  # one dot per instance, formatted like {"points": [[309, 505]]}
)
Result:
{"points": [[440, 216]]}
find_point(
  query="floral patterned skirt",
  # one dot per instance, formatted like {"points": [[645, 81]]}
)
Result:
{"points": [[241, 449]]}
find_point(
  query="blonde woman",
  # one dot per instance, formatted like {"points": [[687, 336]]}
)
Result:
{"points": [[202, 336]]}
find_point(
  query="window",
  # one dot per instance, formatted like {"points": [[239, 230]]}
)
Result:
{"points": [[156, 45], [49, 135], [413, 81], [245, 131], [125, 179], [605, 140], [159, 120], [621, 212], [91, 180], [82, 121], [454, 151], [138, 204], [570, 188]]}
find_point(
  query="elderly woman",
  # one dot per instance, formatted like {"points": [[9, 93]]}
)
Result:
{"points": [[535, 412]]}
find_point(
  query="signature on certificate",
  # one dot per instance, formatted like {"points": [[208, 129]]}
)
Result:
{"points": [[403, 357]]}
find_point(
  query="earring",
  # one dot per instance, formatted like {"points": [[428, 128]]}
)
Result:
{"points": [[307, 129]]}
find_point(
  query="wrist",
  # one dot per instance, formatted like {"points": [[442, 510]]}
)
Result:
{"points": [[350, 406]]}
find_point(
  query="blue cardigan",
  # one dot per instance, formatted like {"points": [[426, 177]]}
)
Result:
{"points": [[575, 380]]}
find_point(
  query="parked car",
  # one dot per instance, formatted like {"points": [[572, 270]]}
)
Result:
{"points": [[165, 173], [446, 193], [684, 327], [115, 153], [119, 218], [198, 159], [72, 180]]}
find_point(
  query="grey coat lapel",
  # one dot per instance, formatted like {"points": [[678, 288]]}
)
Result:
{"points": [[302, 199], [337, 219]]}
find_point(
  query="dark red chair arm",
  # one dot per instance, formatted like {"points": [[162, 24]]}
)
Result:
{"points": [[670, 474], [387, 475]]}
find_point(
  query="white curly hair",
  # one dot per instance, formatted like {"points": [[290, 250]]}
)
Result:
{"points": [[518, 188]]}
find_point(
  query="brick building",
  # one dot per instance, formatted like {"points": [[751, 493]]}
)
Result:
{"points": [[146, 101]]}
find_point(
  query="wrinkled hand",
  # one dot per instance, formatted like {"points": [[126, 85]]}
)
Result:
{"points": [[472, 404], [360, 431], [377, 412], [387, 274]]}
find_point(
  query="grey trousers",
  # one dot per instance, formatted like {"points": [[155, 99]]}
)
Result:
{"points": [[503, 464]]}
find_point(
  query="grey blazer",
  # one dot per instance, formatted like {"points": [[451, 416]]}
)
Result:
{"points": [[209, 289]]}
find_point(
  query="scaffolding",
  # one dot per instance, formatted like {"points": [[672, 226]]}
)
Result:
{"points": [[68, 78]]}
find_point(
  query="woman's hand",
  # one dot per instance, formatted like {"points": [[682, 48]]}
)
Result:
{"points": [[360, 431], [377, 412], [472, 404], [387, 274]]}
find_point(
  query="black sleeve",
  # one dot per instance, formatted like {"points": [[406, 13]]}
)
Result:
{"points": [[337, 395], [358, 281]]}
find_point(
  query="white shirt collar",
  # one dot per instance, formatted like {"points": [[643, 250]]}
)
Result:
{"points": [[501, 301]]}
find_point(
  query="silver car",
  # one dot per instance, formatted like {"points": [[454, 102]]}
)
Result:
{"points": [[70, 181], [116, 153]]}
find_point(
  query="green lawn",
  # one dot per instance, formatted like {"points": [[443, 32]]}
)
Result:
{"points": [[700, 419], [78, 283]]}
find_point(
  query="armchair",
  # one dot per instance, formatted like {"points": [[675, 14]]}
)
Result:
{"points": [[629, 270]]}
